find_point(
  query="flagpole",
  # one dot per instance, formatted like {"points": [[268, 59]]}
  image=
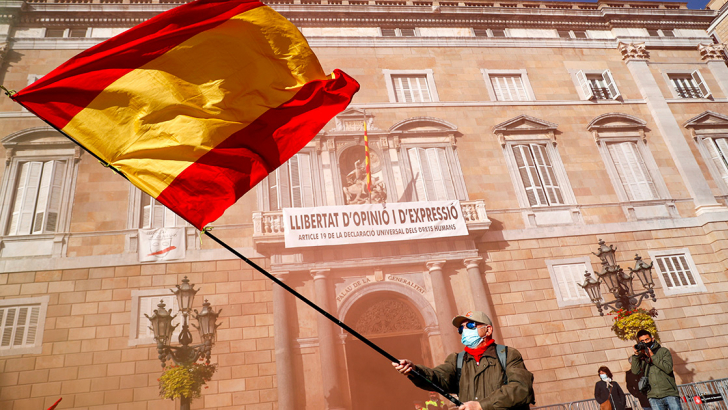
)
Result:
{"points": [[290, 290]]}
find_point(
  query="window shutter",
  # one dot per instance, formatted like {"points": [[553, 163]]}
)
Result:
{"points": [[584, 84], [632, 171], [700, 82], [43, 192], [611, 84], [30, 194], [8, 326], [427, 176], [415, 164], [32, 325], [568, 278], [402, 89], [509, 88], [19, 196], [284, 192], [529, 176], [146, 306], [498, 88], [304, 162], [157, 214], [54, 205], [717, 148], [546, 172], [294, 172], [170, 218], [20, 326], [446, 174], [273, 191], [146, 203]]}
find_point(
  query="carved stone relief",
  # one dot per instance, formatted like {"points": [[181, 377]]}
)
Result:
{"points": [[388, 316]]}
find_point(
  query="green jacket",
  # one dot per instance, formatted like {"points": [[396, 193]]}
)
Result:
{"points": [[661, 377], [484, 382]]}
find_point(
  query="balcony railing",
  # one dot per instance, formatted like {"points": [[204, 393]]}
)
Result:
{"points": [[268, 226]]}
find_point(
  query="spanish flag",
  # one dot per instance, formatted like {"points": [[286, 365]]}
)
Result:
{"points": [[196, 105]]}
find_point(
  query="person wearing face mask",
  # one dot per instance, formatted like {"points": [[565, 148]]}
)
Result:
{"points": [[476, 375], [608, 393], [655, 362]]}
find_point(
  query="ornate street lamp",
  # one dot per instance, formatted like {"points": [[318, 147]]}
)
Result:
{"points": [[619, 283], [161, 325]]}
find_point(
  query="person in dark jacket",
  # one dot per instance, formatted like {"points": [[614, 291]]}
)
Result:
{"points": [[481, 385], [608, 389]]}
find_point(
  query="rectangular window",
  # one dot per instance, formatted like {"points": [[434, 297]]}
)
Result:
{"points": [[537, 175], [54, 32], [294, 188], [569, 278], [21, 325], [144, 302], [632, 171], [690, 85], [498, 33], [156, 215], [77, 32], [508, 87], [718, 150], [433, 180], [411, 88], [677, 271], [598, 86], [37, 201], [389, 32], [407, 32]]}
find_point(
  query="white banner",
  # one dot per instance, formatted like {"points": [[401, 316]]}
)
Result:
{"points": [[352, 224], [163, 244]]}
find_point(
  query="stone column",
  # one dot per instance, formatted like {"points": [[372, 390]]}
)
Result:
{"points": [[327, 342], [636, 57], [478, 288], [443, 306], [284, 351], [712, 53]]}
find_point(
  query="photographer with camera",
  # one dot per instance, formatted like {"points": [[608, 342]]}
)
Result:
{"points": [[658, 381]]}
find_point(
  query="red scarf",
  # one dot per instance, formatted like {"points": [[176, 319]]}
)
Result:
{"points": [[479, 351]]}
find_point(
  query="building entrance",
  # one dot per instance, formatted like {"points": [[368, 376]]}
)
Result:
{"points": [[395, 326]]}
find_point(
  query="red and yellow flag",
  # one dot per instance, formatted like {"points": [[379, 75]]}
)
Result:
{"points": [[197, 105]]}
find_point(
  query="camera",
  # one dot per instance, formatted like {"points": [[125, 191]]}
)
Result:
{"points": [[641, 348]]}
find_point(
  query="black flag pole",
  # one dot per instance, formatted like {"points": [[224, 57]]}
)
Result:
{"points": [[436, 387]]}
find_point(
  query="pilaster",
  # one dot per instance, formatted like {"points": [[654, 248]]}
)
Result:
{"points": [[712, 54], [443, 307], [636, 57], [478, 288], [283, 348]]}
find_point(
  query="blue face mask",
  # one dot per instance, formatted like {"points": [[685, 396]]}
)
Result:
{"points": [[604, 377], [470, 338]]}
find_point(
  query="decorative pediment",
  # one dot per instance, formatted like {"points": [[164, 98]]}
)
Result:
{"points": [[616, 121], [424, 124], [352, 120], [525, 124], [707, 122], [35, 137]]}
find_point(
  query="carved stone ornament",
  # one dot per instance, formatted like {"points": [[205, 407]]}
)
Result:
{"points": [[633, 51], [352, 120], [356, 191], [388, 316], [711, 52]]}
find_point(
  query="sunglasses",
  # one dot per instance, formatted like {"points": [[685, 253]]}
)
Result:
{"points": [[469, 325]]}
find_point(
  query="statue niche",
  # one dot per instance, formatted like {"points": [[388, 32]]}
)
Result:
{"points": [[355, 190]]}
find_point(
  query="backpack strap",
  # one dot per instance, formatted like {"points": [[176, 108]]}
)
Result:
{"points": [[502, 352], [459, 365]]}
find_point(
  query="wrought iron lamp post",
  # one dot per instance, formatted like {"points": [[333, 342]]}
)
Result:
{"points": [[162, 328], [618, 282]]}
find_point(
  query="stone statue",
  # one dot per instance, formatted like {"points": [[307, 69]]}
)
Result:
{"points": [[356, 190]]}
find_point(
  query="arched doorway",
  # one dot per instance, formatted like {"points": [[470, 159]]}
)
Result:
{"points": [[393, 323]]}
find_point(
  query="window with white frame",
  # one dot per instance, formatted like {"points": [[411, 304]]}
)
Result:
{"points": [[291, 185], [717, 148], [145, 302], [155, 215], [567, 276], [21, 325], [433, 180], [537, 174], [600, 86], [37, 199], [690, 85], [677, 271], [632, 170], [508, 85], [410, 86]]}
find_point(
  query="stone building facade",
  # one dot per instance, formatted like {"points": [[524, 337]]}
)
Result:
{"points": [[553, 124]]}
